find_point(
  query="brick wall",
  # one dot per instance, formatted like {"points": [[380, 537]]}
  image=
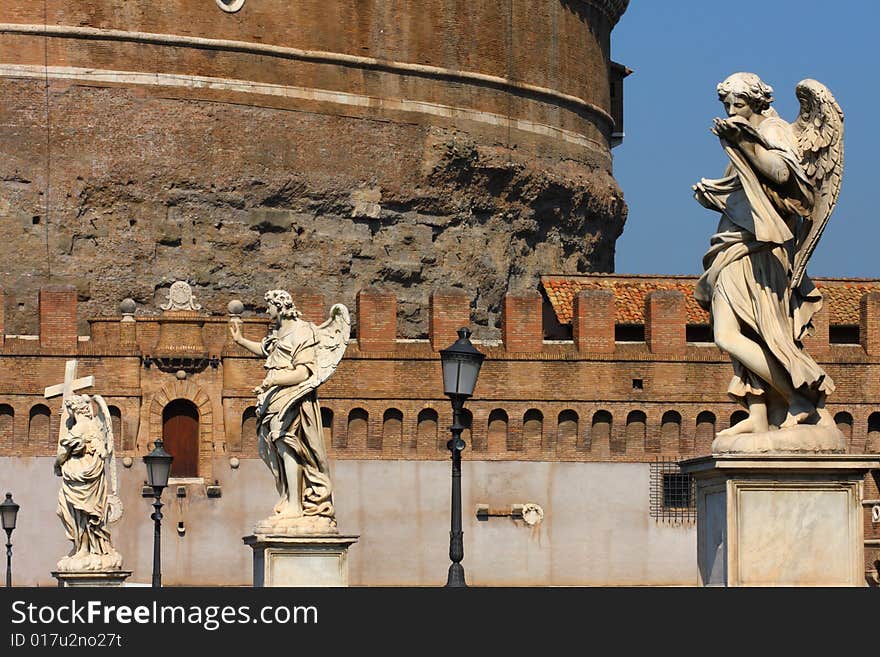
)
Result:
{"points": [[521, 322], [665, 322], [593, 322], [449, 310], [376, 320], [546, 400], [310, 304], [817, 343], [869, 323], [58, 320]]}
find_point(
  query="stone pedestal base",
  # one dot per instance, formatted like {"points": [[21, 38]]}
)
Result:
{"points": [[799, 439], [300, 560], [780, 519], [88, 578]]}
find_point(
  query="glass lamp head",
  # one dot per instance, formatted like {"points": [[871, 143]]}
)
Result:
{"points": [[461, 366], [158, 466], [8, 512]]}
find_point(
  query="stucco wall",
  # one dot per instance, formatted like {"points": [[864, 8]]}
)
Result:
{"points": [[596, 529]]}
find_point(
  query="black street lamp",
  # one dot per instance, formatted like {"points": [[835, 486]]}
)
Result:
{"points": [[158, 468], [461, 367], [9, 512]]}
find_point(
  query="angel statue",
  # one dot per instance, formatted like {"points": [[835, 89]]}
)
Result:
{"points": [[775, 199], [300, 356], [88, 500]]}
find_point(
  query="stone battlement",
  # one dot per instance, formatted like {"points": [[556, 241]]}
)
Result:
{"points": [[587, 398], [528, 322]]}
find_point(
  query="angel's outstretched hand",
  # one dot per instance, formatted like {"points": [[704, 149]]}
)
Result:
{"points": [[235, 330]]}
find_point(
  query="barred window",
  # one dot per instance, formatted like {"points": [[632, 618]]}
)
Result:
{"points": [[672, 496], [676, 490]]}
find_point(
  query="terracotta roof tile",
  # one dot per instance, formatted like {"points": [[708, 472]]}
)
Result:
{"points": [[843, 295]]}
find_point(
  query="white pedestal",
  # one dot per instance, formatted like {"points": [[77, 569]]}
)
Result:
{"points": [[89, 578], [300, 560], [780, 519]]}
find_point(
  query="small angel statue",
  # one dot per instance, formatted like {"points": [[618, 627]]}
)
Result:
{"points": [[88, 500], [775, 199], [300, 356]]}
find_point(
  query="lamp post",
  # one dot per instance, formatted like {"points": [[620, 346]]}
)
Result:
{"points": [[9, 512], [461, 367], [158, 468]]}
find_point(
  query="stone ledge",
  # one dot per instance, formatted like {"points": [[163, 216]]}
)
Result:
{"points": [[770, 462], [91, 578]]}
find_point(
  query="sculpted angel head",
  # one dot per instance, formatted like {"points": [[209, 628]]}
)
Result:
{"points": [[282, 303], [745, 93], [79, 405]]}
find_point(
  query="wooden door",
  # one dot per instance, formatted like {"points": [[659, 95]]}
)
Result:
{"points": [[180, 433]]}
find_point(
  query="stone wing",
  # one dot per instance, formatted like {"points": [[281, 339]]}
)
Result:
{"points": [[333, 337], [819, 132], [114, 503]]}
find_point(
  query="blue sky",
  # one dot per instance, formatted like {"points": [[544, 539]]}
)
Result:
{"points": [[679, 50]]}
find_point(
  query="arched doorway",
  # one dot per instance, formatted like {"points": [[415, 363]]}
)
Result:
{"points": [[180, 433]]}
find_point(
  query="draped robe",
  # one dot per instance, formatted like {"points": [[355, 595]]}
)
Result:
{"points": [[750, 258], [82, 499], [294, 413]]}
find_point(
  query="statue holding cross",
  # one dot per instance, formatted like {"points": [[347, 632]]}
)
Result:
{"points": [[71, 385], [88, 500]]}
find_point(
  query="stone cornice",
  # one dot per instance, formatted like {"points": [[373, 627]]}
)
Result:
{"points": [[314, 56]]}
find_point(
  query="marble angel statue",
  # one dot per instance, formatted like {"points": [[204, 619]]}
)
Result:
{"points": [[775, 199], [300, 356], [88, 500]]}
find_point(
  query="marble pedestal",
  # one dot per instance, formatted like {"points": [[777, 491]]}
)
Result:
{"points": [[89, 578], [300, 560], [780, 519]]}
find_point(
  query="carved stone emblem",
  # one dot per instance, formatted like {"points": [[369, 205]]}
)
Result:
{"points": [[180, 297]]}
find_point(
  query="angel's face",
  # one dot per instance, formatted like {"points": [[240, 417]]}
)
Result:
{"points": [[737, 106], [272, 309]]}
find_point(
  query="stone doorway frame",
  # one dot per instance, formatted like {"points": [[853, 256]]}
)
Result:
{"points": [[193, 393]]}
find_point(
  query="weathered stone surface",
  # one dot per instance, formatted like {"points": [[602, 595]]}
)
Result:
{"points": [[442, 210], [430, 145]]}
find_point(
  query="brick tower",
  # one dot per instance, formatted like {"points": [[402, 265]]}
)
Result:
{"points": [[320, 143]]}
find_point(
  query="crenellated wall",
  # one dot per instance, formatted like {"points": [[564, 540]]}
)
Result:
{"points": [[664, 395]]}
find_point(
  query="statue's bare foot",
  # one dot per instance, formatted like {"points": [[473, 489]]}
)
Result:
{"points": [[749, 425], [825, 419], [286, 509], [799, 411]]}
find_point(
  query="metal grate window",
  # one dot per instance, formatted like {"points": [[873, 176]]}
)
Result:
{"points": [[672, 496]]}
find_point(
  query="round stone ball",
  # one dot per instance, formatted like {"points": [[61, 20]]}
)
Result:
{"points": [[127, 307], [235, 307]]}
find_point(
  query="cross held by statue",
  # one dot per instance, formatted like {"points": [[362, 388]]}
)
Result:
{"points": [[71, 384]]}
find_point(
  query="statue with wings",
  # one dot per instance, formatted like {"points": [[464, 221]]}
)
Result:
{"points": [[88, 500], [775, 199], [300, 356]]}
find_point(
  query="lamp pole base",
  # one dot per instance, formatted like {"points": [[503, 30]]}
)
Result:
{"points": [[455, 578]]}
